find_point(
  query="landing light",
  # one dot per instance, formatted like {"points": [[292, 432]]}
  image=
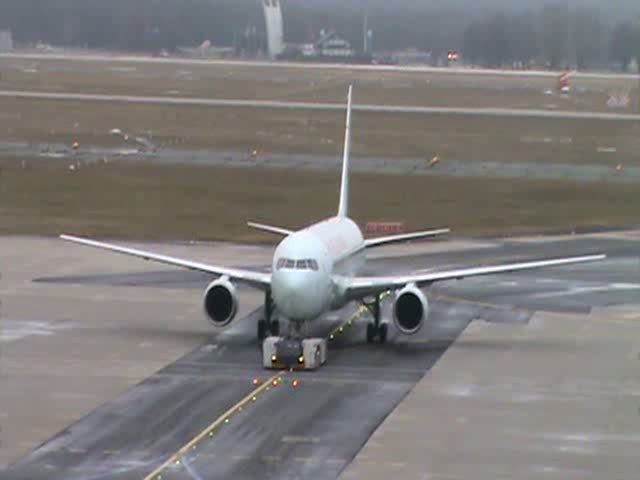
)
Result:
{"points": [[275, 382], [295, 382]]}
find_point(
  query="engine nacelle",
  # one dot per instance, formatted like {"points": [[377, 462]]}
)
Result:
{"points": [[220, 302], [410, 309]]}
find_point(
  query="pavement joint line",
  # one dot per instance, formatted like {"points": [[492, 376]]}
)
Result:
{"points": [[271, 458], [481, 304], [175, 458]]}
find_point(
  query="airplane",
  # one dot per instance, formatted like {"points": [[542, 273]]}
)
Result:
{"points": [[313, 272]]}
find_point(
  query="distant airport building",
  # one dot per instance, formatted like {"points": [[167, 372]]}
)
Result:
{"points": [[330, 45], [273, 22], [411, 56], [6, 40]]}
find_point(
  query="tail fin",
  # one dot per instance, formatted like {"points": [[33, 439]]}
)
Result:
{"points": [[343, 208]]}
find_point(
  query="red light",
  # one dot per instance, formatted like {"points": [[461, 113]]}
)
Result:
{"points": [[256, 381], [275, 382], [295, 382]]}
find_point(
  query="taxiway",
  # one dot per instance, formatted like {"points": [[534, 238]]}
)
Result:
{"points": [[291, 105], [109, 371]]}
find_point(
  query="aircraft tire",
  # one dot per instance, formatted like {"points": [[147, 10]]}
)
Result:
{"points": [[262, 330], [275, 328], [382, 332], [371, 332]]}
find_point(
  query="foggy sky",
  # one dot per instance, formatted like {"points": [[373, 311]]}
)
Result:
{"points": [[435, 25]]}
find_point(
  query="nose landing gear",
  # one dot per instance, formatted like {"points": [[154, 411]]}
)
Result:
{"points": [[292, 351], [268, 325]]}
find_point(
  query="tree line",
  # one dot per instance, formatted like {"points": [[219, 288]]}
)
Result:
{"points": [[554, 37]]}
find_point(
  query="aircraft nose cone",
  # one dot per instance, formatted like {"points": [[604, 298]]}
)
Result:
{"points": [[297, 295]]}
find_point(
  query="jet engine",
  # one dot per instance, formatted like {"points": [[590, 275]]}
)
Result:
{"points": [[410, 310], [220, 302]]}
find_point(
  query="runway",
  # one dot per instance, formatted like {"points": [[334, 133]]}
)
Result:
{"points": [[292, 105], [91, 57], [196, 417]]}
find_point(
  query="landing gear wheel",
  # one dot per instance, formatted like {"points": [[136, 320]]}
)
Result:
{"points": [[275, 328], [262, 330], [371, 332], [266, 325], [382, 332], [376, 328]]}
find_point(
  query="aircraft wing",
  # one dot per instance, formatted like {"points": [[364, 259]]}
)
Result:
{"points": [[250, 277], [358, 287], [376, 242]]}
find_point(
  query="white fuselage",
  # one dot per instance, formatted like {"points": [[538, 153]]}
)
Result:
{"points": [[305, 262]]}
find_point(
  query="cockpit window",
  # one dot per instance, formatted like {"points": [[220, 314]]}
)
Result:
{"points": [[305, 264]]}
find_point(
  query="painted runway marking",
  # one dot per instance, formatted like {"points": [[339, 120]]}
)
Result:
{"points": [[291, 105]]}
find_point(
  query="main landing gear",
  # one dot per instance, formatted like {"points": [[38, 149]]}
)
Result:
{"points": [[376, 329]]}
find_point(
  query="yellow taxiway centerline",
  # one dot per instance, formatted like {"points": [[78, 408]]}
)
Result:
{"points": [[155, 474], [359, 311]]}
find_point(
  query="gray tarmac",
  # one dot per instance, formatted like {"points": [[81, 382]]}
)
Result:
{"points": [[110, 370], [92, 57], [292, 105], [581, 172]]}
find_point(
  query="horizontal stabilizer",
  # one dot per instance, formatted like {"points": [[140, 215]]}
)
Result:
{"points": [[271, 229], [376, 242]]}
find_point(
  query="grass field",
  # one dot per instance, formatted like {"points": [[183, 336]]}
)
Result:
{"points": [[281, 131], [140, 200], [187, 201]]}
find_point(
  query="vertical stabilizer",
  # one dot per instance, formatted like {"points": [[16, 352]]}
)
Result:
{"points": [[346, 154]]}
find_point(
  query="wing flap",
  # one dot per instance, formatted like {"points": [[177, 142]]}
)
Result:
{"points": [[258, 279]]}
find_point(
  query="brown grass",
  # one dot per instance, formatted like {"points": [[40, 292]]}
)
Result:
{"points": [[277, 131], [141, 200]]}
